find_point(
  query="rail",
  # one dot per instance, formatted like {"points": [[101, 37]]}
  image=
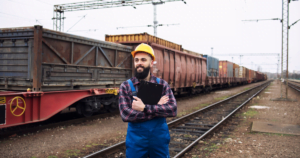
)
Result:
{"points": [[295, 86]]}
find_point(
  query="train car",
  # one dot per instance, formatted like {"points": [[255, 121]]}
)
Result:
{"points": [[43, 72], [236, 70], [265, 77], [185, 73], [259, 76], [212, 66], [225, 69], [252, 76]]}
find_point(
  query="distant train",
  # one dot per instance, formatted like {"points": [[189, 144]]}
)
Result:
{"points": [[43, 72]]}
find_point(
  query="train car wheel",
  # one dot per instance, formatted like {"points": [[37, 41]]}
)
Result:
{"points": [[84, 110]]}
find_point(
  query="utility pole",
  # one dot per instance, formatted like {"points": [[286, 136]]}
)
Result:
{"points": [[155, 22], [285, 51], [284, 48], [241, 59]]}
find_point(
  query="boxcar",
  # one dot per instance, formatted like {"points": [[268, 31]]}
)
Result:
{"points": [[212, 66], [184, 72], [225, 69], [43, 71]]}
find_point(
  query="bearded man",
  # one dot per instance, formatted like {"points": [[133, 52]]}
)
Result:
{"points": [[147, 132]]}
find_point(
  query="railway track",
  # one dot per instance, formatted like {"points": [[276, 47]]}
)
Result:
{"points": [[295, 85], [186, 131], [64, 120]]}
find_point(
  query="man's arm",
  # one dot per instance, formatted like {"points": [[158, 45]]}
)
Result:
{"points": [[164, 110], [127, 113]]}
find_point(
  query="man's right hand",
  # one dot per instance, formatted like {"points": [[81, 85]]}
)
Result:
{"points": [[163, 100]]}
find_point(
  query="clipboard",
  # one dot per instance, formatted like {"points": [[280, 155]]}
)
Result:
{"points": [[150, 93]]}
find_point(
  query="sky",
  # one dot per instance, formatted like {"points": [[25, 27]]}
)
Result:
{"points": [[203, 25]]}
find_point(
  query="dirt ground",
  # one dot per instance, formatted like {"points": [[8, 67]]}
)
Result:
{"points": [[236, 139], [77, 140]]}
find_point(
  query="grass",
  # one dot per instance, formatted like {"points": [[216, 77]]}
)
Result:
{"points": [[250, 113], [246, 88], [213, 147], [203, 105], [187, 135], [221, 98], [267, 89], [95, 144], [72, 153], [181, 114]]}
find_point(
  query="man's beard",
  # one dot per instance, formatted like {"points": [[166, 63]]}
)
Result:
{"points": [[142, 75]]}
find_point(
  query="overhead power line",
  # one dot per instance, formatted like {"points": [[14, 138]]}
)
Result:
{"points": [[76, 22], [60, 9], [263, 19]]}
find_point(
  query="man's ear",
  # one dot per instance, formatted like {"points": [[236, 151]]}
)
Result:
{"points": [[152, 62]]}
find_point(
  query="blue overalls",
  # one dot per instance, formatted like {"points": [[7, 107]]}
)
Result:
{"points": [[147, 139]]}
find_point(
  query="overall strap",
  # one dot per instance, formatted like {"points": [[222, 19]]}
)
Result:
{"points": [[157, 80], [132, 87]]}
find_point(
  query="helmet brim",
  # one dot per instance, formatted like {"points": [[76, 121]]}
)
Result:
{"points": [[134, 52]]}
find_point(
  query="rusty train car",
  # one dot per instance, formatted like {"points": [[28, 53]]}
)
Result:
{"points": [[44, 71]]}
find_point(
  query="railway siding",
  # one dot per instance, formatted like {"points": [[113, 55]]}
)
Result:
{"points": [[237, 140]]}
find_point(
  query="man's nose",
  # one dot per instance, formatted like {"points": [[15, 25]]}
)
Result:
{"points": [[139, 62]]}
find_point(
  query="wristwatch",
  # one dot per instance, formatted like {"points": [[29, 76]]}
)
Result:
{"points": [[145, 110]]}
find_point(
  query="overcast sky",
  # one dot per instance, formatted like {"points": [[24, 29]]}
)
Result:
{"points": [[203, 24]]}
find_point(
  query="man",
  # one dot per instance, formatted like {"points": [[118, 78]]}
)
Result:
{"points": [[147, 133]]}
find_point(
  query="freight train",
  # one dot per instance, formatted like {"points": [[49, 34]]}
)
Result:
{"points": [[43, 72]]}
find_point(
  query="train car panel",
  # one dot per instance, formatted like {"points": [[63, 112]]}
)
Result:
{"points": [[235, 70], [225, 69], [203, 71], [189, 71], [183, 77], [192, 52], [172, 69], [166, 68], [178, 70], [141, 38], [46, 60], [159, 66], [212, 65]]}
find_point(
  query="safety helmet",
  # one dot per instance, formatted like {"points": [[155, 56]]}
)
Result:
{"points": [[144, 48]]}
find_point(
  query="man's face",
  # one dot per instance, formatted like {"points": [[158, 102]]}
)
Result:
{"points": [[142, 63]]}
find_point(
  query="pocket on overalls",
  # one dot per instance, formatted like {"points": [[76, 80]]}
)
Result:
{"points": [[161, 134], [135, 135]]}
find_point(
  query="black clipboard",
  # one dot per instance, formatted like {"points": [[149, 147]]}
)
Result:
{"points": [[150, 93]]}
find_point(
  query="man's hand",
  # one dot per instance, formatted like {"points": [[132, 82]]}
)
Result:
{"points": [[138, 104], [163, 100]]}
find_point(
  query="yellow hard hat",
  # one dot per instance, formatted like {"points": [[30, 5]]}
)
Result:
{"points": [[144, 48]]}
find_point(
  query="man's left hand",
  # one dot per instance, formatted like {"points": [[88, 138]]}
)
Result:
{"points": [[138, 104]]}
